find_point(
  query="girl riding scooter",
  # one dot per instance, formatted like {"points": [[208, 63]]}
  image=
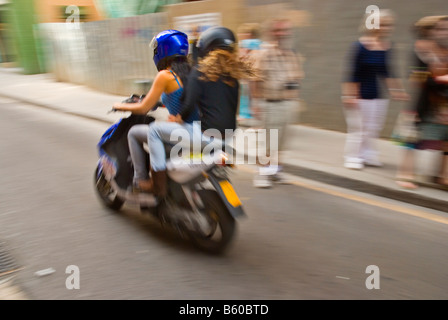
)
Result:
{"points": [[213, 88]]}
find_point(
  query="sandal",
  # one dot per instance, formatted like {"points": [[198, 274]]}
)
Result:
{"points": [[406, 184]]}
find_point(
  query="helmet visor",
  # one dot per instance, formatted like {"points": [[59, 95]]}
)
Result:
{"points": [[153, 45]]}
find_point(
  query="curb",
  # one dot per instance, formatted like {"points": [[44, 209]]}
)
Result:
{"points": [[365, 187], [56, 109]]}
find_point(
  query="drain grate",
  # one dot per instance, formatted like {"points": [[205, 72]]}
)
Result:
{"points": [[8, 265]]}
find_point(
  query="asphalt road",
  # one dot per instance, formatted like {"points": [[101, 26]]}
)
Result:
{"points": [[301, 241]]}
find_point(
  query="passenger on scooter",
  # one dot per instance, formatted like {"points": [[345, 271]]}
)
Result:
{"points": [[213, 89], [171, 58]]}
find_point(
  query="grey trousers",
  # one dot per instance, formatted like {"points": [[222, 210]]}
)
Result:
{"points": [[277, 116]]}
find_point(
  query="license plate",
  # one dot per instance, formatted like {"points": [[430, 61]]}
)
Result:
{"points": [[230, 193]]}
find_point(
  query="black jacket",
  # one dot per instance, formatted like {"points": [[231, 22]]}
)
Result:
{"points": [[217, 102]]}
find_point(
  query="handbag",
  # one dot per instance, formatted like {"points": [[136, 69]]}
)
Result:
{"points": [[405, 130]]}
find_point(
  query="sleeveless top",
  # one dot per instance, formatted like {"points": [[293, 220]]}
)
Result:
{"points": [[173, 103]]}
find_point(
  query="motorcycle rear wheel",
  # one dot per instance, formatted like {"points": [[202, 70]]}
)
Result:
{"points": [[222, 225], [105, 192]]}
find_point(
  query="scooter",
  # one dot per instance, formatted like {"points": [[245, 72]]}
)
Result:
{"points": [[201, 205]]}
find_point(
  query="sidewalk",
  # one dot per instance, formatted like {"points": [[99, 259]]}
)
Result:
{"points": [[312, 153]]}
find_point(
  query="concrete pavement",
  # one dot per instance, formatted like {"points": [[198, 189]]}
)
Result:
{"points": [[311, 152]]}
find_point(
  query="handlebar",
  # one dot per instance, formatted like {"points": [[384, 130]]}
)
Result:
{"points": [[134, 98]]}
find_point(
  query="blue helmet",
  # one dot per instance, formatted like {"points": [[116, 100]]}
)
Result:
{"points": [[169, 43]]}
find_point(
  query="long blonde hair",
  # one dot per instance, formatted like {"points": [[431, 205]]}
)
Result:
{"points": [[225, 65]]}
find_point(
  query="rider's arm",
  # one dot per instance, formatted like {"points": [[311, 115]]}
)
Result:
{"points": [[192, 94], [153, 96]]}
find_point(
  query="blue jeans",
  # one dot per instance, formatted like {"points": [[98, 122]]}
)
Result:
{"points": [[161, 133], [190, 136]]}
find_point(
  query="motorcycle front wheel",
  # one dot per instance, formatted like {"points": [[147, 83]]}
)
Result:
{"points": [[105, 192], [216, 237]]}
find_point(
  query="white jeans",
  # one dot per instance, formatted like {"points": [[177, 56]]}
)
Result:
{"points": [[364, 125]]}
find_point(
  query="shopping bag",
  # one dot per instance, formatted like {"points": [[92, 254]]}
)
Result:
{"points": [[405, 130]]}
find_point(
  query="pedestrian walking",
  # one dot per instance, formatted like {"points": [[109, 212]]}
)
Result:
{"points": [[249, 43], [275, 95], [365, 105], [433, 104], [421, 57]]}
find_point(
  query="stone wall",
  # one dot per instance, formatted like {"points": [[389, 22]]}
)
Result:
{"points": [[110, 55]]}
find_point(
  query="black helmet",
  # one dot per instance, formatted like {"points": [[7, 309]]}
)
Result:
{"points": [[215, 38]]}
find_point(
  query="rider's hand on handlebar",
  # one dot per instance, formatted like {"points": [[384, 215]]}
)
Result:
{"points": [[114, 109], [118, 107]]}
